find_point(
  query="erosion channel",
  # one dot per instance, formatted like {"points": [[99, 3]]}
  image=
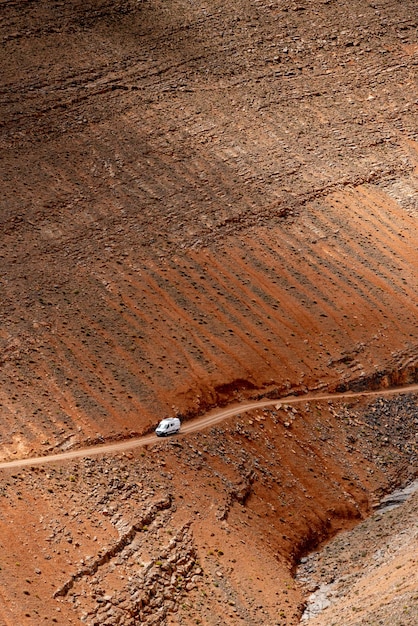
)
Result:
{"points": [[205, 206], [173, 529]]}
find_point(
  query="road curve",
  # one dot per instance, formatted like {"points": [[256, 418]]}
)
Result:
{"points": [[209, 419]]}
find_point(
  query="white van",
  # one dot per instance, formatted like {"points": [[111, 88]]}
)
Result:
{"points": [[168, 426]]}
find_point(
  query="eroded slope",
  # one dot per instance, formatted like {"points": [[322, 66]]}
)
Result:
{"points": [[204, 528], [200, 201]]}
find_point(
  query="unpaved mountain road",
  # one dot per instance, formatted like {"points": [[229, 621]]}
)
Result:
{"points": [[209, 419]]}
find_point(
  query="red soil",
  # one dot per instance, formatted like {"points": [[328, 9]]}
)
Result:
{"points": [[202, 204]]}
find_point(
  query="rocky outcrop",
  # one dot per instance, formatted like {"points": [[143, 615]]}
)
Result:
{"points": [[155, 590], [105, 556]]}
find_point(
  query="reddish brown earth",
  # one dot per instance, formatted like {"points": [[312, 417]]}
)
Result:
{"points": [[201, 204]]}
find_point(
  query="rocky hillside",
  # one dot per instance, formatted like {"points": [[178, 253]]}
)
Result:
{"points": [[207, 528], [367, 575], [201, 203]]}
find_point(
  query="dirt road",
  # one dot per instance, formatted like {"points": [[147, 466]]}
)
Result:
{"points": [[209, 419]]}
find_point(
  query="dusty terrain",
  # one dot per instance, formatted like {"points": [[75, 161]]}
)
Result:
{"points": [[367, 573], [206, 528], [202, 204]]}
